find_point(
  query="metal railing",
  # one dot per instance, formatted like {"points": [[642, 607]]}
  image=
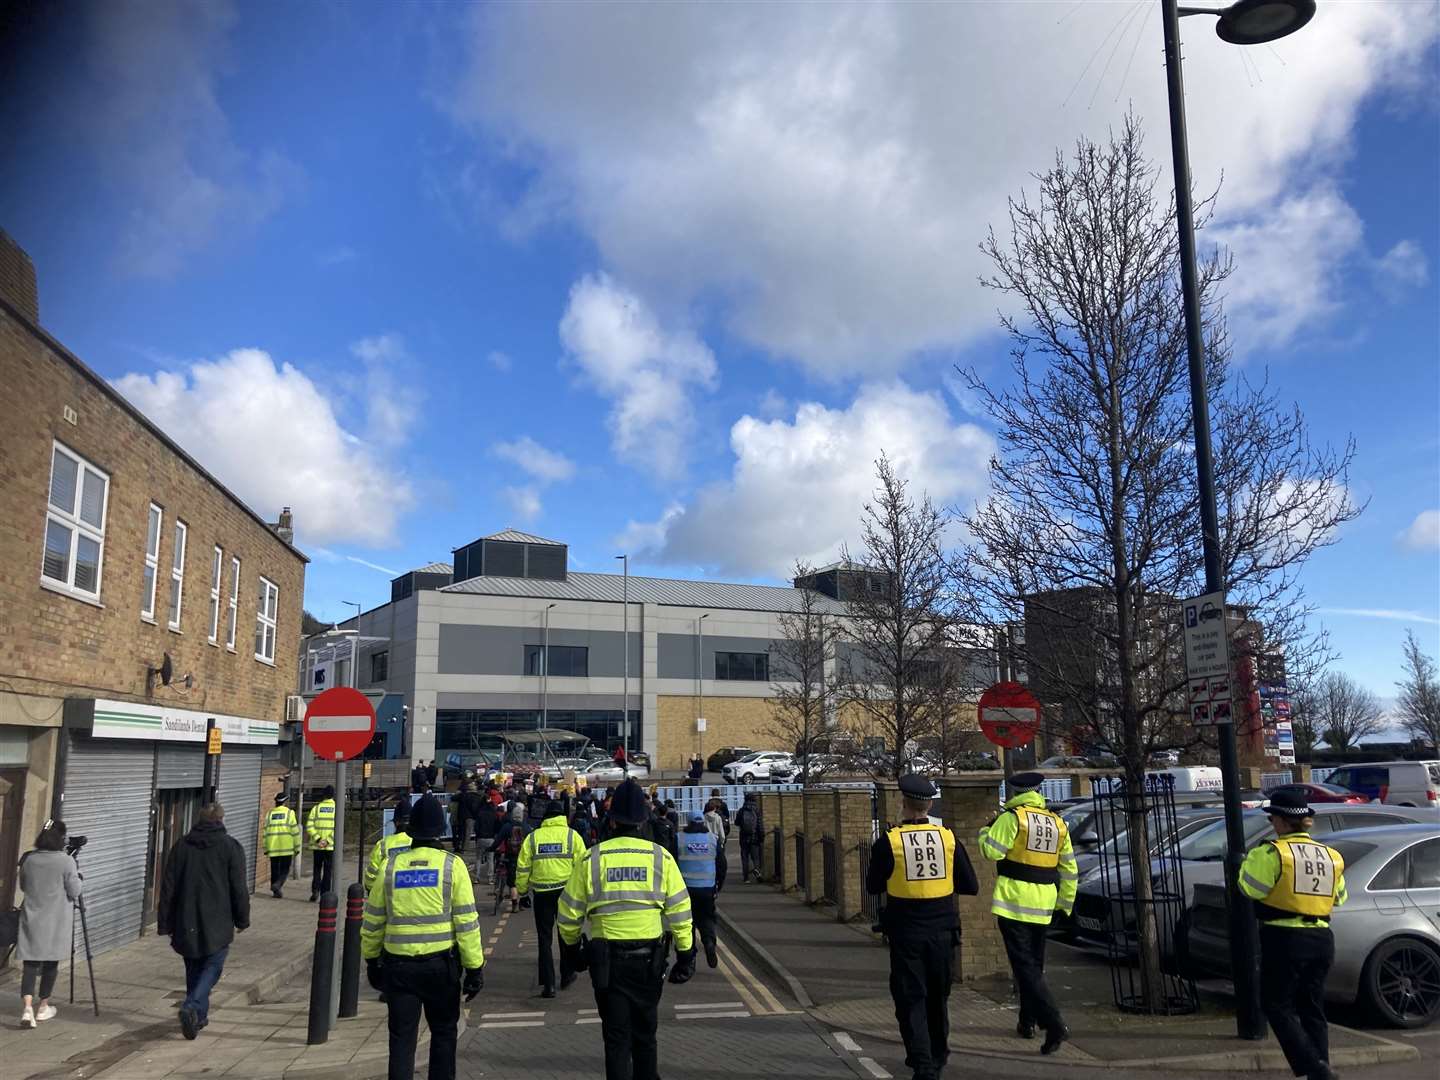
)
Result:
{"points": [[869, 904], [830, 870], [1320, 775], [1270, 780], [1055, 787], [778, 841], [800, 859], [689, 797]]}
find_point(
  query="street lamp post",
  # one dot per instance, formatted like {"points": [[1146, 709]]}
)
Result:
{"points": [[1247, 22], [625, 703], [700, 678], [545, 672]]}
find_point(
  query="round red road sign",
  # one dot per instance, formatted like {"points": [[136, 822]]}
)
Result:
{"points": [[1009, 714], [339, 724]]}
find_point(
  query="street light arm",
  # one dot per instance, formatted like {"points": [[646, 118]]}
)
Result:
{"points": [[1201, 11]]}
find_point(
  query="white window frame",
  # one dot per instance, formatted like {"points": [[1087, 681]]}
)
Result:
{"points": [[217, 579], [234, 602], [70, 519], [152, 560], [178, 554], [266, 612]]}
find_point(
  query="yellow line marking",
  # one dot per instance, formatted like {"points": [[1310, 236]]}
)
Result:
{"points": [[772, 1005], [740, 988]]}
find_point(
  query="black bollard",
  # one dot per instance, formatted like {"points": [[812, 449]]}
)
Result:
{"points": [[321, 966], [350, 959]]}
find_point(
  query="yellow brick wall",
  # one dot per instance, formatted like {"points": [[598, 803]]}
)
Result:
{"points": [[730, 721]]}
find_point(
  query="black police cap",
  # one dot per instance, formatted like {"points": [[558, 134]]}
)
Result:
{"points": [[1290, 803], [915, 786], [1024, 781], [402, 810]]}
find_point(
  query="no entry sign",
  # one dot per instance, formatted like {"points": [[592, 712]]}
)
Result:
{"points": [[339, 724], [1009, 714]]}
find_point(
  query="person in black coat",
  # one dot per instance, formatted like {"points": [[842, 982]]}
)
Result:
{"points": [[204, 900]]}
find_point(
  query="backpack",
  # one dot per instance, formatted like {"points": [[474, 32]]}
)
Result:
{"points": [[747, 820]]}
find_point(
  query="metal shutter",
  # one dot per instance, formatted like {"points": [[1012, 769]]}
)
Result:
{"points": [[107, 798], [179, 766], [239, 793]]}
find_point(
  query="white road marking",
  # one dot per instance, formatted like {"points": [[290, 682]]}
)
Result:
{"points": [[514, 1024], [715, 1016], [588, 1020], [873, 1069], [510, 1015], [846, 1042], [713, 1005]]}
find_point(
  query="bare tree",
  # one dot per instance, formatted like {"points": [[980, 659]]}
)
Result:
{"points": [[1305, 720], [1419, 702], [804, 694], [1091, 533], [1347, 711], [897, 616]]}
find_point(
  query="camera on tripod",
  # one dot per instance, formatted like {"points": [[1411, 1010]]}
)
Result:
{"points": [[73, 844]]}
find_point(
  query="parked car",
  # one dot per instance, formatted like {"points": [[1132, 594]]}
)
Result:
{"points": [[1164, 758], [1401, 783], [1387, 934], [753, 767], [724, 756], [1064, 761], [607, 773], [1104, 905], [1320, 793], [637, 757]]}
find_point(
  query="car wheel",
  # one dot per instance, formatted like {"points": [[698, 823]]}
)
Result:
{"points": [[748, 778], [1401, 982]]}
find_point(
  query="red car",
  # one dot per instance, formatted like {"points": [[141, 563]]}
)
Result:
{"points": [[1321, 793]]}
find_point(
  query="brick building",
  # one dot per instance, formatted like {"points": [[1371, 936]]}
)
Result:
{"points": [[139, 598]]}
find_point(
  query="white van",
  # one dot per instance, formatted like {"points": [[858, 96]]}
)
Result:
{"points": [[1400, 783], [1190, 778]]}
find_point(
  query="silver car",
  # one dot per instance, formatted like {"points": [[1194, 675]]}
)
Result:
{"points": [[1387, 935]]}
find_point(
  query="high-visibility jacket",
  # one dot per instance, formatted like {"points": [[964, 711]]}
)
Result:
{"points": [[282, 832], [1037, 874], [697, 858], [548, 856], [397, 841], [1295, 881], [320, 826], [924, 862], [630, 890], [422, 904]]}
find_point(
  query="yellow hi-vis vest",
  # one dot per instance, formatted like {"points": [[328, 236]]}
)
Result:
{"points": [[320, 826], [282, 832], [924, 862], [547, 856], [1034, 856], [1307, 882], [423, 904], [629, 890], [384, 847]]}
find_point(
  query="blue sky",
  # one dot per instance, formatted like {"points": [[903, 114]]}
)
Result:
{"points": [[665, 279]]}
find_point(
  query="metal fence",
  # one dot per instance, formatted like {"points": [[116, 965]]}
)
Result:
{"points": [[688, 798], [1055, 787], [869, 904], [830, 870], [1270, 780], [800, 859], [1120, 915], [1320, 775], [778, 840]]}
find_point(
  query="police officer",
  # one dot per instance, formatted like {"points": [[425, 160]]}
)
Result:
{"points": [[1036, 876], [420, 931], [920, 868], [632, 895], [282, 841], [547, 858], [704, 876], [399, 840], [320, 839], [1295, 882]]}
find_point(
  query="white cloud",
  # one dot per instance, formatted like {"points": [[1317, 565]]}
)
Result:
{"points": [[1389, 614], [325, 553], [1422, 534], [1403, 265], [797, 487], [335, 256], [644, 369], [825, 172], [772, 405], [271, 435], [545, 466], [392, 404], [524, 501], [152, 113], [500, 361]]}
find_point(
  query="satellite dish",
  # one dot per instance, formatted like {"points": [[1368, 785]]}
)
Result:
{"points": [[167, 670]]}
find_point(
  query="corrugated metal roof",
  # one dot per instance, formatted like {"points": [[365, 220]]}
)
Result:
{"points": [[646, 590], [515, 536], [434, 568]]}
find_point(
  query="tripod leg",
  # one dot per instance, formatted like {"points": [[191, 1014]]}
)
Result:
{"points": [[72, 952], [89, 960]]}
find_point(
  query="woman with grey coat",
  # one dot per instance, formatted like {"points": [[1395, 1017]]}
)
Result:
{"points": [[50, 881]]}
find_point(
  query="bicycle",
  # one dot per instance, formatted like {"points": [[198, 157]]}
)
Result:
{"points": [[502, 884]]}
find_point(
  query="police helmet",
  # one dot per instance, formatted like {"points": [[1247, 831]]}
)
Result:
{"points": [[427, 819]]}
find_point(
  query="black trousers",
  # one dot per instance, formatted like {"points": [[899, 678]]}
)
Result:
{"points": [[749, 856], [921, 970], [431, 985], [546, 906], [1025, 946], [702, 913], [629, 1012], [1293, 965], [320, 880], [43, 971], [279, 872]]}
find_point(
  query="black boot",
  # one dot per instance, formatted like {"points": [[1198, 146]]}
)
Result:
{"points": [[1025, 1028], [1053, 1038], [711, 957]]}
